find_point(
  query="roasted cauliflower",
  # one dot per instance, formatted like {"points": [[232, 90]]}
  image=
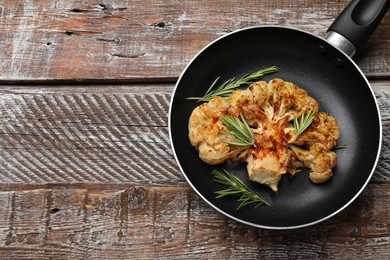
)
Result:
{"points": [[269, 109]]}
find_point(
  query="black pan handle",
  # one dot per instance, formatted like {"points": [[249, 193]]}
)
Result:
{"points": [[356, 23]]}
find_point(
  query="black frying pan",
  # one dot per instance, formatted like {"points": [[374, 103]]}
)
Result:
{"points": [[329, 75]]}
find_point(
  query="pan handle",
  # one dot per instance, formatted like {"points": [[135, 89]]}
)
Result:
{"points": [[356, 23]]}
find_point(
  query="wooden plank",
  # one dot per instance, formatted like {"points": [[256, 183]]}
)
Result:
{"points": [[94, 137], [174, 223], [145, 40], [104, 134], [382, 94]]}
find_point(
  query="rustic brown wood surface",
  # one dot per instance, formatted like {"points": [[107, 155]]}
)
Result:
{"points": [[86, 168], [147, 40]]}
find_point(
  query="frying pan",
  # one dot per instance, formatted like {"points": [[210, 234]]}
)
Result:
{"points": [[324, 68]]}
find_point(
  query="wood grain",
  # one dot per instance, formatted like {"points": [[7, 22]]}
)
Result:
{"points": [[103, 134], [173, 223], [143, 40], [86, 168], [381, 90], [89, 137]]}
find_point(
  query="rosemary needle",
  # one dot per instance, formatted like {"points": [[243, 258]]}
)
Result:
{"points": [[341, 146], [239, 130], [230, 85], [236, 188], [300, 125]]}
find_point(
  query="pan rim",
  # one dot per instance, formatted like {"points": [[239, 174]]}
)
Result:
{"points": [[247, 222]]}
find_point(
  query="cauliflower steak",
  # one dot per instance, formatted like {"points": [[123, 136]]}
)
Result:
{"points": [[269, 109]]}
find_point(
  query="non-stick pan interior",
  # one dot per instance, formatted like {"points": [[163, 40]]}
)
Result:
{"points": [[327, 75]]}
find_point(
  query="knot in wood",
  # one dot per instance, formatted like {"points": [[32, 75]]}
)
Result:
{"points": [[136, 196]]}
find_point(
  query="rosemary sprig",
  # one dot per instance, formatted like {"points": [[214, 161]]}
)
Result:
{"points": [[304, 122], [236, 188], [230, 85], [239, 130]]}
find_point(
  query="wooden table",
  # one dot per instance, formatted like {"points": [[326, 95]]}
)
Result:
{"points": [[86, 165]]}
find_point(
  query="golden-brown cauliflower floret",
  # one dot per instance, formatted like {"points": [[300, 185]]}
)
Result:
{"points": [[289, 100], [262, 95], [206, 132], [318, 159], [324, 129], [243, 102]]}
